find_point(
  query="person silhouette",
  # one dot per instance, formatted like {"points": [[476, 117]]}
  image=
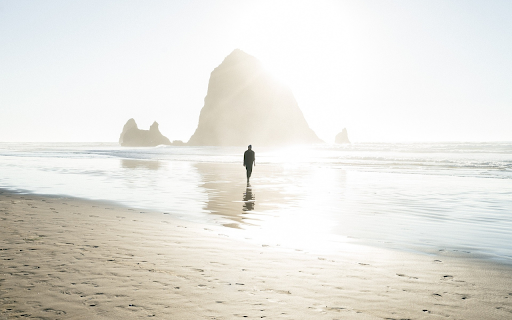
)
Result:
{"points": [[249, 161]]}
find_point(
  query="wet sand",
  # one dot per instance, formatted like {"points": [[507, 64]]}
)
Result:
{"points": [[65, 258]]}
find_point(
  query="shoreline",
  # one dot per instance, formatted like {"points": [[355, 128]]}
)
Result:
{"points": [[70, 258], [227, 226], [412, 204]]}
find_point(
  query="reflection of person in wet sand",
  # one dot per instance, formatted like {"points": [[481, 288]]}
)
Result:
{"points": [[249, 161], [248, 200]]}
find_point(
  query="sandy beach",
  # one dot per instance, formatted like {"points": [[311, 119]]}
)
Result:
{"points": [[67, 258]]}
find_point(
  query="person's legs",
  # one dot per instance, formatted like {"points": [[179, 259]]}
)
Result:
{"points": [[249, 171]]}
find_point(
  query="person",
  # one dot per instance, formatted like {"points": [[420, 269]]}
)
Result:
{"points": [[249, 161]]}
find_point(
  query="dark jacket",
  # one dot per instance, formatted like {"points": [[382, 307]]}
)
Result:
{"points": [[249, 158]]}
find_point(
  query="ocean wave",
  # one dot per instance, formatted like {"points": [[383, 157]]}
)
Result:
{"points": [[464, 159]]}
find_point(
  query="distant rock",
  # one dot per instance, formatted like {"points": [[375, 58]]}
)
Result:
{"points": [[132, 136], [178, 143], [246, 105], [342, 137]]}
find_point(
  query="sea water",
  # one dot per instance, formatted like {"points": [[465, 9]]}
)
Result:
{"points": [[412, 196]]}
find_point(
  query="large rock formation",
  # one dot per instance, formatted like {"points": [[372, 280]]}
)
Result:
{"points": [[342, 137], [132, 136], [246, 105]]}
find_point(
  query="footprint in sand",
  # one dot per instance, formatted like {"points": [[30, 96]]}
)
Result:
{"points": [[60, 312], [462, 296], [336, 308], [283, 291]]}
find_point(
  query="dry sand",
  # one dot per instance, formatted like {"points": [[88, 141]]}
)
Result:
{"points": [[64, 258]]}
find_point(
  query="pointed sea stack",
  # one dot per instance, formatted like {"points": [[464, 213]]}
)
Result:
{"points": [[246, 105], [132, 136], [342, 137]]}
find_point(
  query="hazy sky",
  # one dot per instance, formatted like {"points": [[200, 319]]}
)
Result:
{"points": [[386, 70]]}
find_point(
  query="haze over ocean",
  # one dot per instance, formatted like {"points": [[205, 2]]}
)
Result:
{"points": [[426, 197], [385, 70]]}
